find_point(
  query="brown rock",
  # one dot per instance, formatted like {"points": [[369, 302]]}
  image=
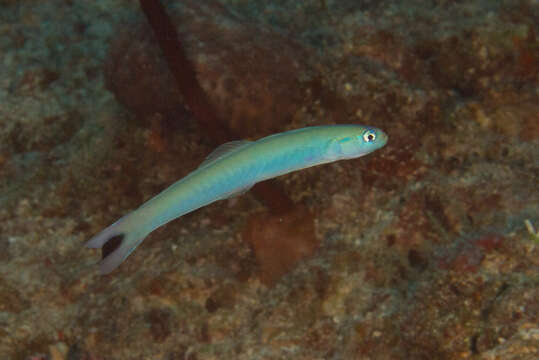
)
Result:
{"points": [[280, 241], [251, 75]]}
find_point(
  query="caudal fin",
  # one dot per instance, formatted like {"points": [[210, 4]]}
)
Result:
{"points": [[116, 242]]}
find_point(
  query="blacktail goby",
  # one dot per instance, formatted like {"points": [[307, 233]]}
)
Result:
{"points": [[232, 169]]}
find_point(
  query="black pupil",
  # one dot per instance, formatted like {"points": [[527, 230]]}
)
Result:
{"points": [[370, 137]]}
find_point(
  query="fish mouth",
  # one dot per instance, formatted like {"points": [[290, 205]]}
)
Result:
{"points": [[383, 138]]}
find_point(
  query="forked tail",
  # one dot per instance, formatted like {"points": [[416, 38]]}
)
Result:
{"points": [[116, 242]]}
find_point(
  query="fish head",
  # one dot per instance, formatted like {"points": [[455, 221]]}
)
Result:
{"points": [[355, 141]]}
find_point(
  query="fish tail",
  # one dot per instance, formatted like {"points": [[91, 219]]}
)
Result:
{"points": [[117, 241]]}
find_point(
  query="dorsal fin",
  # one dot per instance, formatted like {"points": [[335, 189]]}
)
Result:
{"points": [[224, 150]]}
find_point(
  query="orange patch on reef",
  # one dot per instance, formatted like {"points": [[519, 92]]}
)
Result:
{"points": [[279, 242], [528, 59], [156, 140]]}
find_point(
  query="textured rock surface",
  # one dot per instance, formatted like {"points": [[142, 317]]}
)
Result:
{"points": [[420, 250], [251, 73]]}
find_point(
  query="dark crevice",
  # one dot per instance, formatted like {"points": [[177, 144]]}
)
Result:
{"points": [[473, 344], [485, 312]]}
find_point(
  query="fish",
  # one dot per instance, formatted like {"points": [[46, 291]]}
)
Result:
{"points": [[230, 170]]}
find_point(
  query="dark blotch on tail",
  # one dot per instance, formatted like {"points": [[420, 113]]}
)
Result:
{"points": [[111, 244]]}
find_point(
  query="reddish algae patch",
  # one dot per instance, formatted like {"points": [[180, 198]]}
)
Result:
{"points": [[280, 241]]}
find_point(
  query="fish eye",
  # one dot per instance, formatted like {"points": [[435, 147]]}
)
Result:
{"points": [[369, 136]]}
